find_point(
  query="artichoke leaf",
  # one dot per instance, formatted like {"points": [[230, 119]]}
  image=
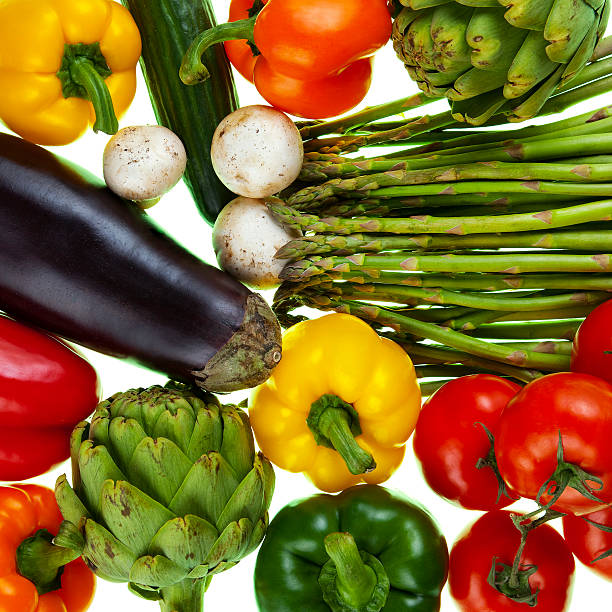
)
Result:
{"points": [[269, 480], [480, 3], [199, 571], [475, 82], [96, 466], [530, 66], [231, 544], [104, 552], [98, 430], [493, 40], [238, 446], [206, 488], [185, 540], [418, 45], [532, 103], [158, 467], [258, 534], [207, 434], [448, 31], [246, 501], [421, 4], [527, 14], [131, 515], [125, 435], [157, 572], [77, 437], [144, 593], [480, 110], [568, 24], [71, 507], [221, 567], [152, 405], [582, 56], [177, 423]]}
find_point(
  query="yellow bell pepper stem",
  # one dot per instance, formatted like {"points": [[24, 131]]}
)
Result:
{"points": [[82, 74], [335, 423]]}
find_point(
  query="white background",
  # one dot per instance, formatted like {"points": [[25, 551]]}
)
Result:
{"points": [[233, 589]]}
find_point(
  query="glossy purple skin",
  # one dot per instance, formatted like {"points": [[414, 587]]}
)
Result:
{"points": [[80, 262]]}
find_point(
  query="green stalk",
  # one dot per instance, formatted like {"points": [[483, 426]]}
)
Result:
{"points": [[372, 243], [565, 330], [429, 388], [512, 151], [458, 226], [365, 116], [451, 338], [350, 143], [186, 596], [479, 281], [443, 355], [499, 264], [511, 301], [372, 207]]}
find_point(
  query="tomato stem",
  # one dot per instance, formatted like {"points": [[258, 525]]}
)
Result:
{"points": [[490, 461]]}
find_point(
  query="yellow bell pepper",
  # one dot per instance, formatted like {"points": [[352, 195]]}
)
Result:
{"points": [[65, 64], [340, 406]]}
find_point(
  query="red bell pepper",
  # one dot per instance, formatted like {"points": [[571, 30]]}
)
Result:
{"points": [[313, 43], [46, 388]]}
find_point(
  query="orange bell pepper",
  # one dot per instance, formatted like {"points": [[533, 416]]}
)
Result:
{"points": [[65, 64], [24, 511]]}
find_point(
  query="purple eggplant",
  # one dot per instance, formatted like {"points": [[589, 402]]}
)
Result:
{"points": [[78, 261]]}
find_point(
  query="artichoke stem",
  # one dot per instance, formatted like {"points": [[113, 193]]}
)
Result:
{"points": [[185, 596]]}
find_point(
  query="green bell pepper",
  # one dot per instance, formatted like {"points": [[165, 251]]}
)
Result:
{"points": [[364, 550]]}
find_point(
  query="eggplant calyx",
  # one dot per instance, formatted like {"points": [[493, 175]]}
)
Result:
{"points": [[249, 356], [82, 74], [334, 423], [352, 580]]}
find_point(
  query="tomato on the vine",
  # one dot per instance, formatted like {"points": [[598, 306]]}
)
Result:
{"points": [[450, 439], [494, 536], [592, 348], [319, 99], [588, 541], [555, 436]]}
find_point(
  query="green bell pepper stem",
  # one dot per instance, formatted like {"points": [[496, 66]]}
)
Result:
{"points": [[355, 581], [335, 423], [192, 69], [42, 563], [185, 596]]}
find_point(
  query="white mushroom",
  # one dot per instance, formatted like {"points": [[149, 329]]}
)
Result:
{"points": [[257, 151], [142, 163], [246, 237]]}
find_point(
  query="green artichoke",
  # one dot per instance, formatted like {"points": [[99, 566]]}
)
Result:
{"points": [[167, 491], [490, 56]]}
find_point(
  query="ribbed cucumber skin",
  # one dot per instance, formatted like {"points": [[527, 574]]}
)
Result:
{"points": [[193, 112]]}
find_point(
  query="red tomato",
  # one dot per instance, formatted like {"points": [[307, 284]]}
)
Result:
{"points": [[448, 440], [588, 542], [45, 390], [239, 52], [578, 406], [318, 38], [494, 535], [318, 99], [592, 349]]}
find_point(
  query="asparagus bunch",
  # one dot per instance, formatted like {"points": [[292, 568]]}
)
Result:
{"points": [[476, 250]]}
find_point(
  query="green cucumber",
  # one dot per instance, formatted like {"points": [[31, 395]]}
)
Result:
{"points": [[167, 28]]}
